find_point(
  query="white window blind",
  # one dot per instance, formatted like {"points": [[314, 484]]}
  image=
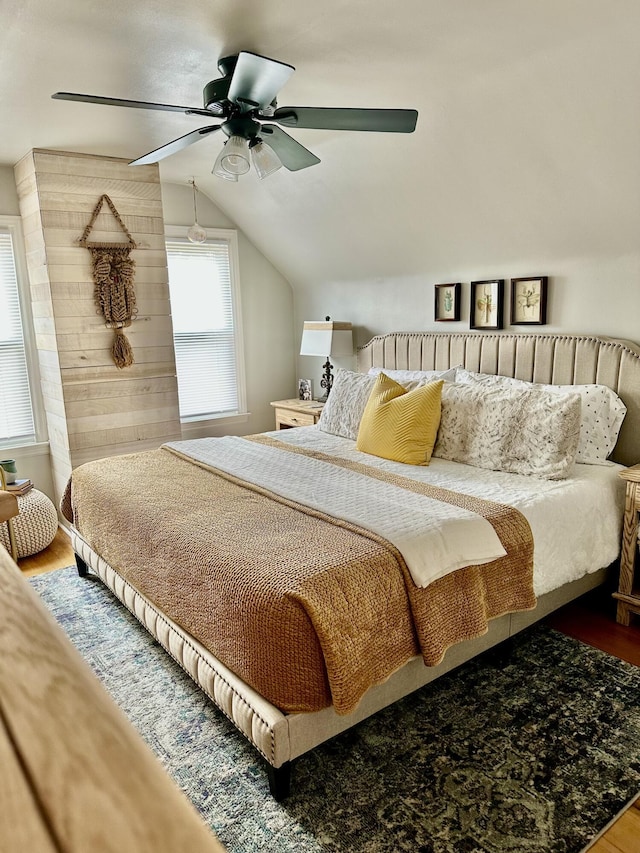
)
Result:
{"points": [[16, 412], [205, 331]]}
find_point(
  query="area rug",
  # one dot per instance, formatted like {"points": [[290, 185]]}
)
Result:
{"points": [[535, 755]]}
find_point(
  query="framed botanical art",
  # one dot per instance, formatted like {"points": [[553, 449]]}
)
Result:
{"points": [[529, 301], [487, 304], [447, 302]]}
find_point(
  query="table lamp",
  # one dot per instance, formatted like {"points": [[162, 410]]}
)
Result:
{"points": [[326, 338]]}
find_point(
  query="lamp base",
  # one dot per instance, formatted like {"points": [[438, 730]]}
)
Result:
{"points": [[327, 381]]}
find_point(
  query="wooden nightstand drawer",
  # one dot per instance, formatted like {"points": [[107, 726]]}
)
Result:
{"points": [[294, 419], [295, 413]]}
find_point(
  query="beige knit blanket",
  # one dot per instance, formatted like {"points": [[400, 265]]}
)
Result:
{"points": [[307, 609]]}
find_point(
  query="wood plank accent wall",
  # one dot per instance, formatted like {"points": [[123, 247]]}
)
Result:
{"points": [[93, 408]]}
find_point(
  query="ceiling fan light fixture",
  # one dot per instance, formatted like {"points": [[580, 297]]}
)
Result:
{"points": [[243, 98], [235, 156], [219, 170], [264, 158]]}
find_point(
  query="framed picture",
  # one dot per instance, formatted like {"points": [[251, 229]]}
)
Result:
{"points": [[447, 302], [304, 389], [529, 301], [487, 304]]}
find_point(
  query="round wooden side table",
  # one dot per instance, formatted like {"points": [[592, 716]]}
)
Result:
{"points": [[35, 526]]}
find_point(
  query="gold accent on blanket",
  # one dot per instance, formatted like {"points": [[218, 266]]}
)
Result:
{"points": [[307, 609], [113, 274]]}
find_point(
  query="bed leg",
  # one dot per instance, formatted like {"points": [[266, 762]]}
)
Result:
{"points": [[83, 568], [279, 781]]}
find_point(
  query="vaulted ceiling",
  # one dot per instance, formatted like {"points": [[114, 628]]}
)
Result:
{"points": [[524, 108]]}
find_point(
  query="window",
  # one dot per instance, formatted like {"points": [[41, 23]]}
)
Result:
{"points": [[203, 285], [16, 411]]}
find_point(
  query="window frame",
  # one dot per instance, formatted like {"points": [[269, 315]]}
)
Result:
{"points": [[13, 224], [195, 424]]}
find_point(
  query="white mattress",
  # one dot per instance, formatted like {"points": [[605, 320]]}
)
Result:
{"points": [[576, 523]]}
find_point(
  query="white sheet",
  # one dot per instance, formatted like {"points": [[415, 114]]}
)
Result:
{"points": [[576, 523]]}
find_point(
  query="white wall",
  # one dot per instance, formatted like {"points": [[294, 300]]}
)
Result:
{"points": [[594, 292], [267, 314]]}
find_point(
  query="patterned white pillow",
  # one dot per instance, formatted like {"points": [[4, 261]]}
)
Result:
{"points": [[343, 410], [518, 430], [416, 376], [602, 412]]}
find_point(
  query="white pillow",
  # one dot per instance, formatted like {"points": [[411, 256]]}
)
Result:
{"points": [[343, 410], [518, 430], [602, 412], [416, 376]]}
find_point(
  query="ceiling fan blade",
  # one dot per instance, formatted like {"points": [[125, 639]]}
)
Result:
{"points": [[257, 80], [292, 155], [175, 146], [120, 102], [330, 118]]}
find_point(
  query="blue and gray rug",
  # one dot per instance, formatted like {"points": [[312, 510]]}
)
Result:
{"points": [[535, 756]]}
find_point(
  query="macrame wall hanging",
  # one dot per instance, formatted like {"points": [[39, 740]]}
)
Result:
{"points": [[113, 273]]}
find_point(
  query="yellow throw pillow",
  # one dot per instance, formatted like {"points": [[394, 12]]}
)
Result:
{"points": [[401, 425]]}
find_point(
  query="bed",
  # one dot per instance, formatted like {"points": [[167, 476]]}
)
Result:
{"points": [[306, 674]]}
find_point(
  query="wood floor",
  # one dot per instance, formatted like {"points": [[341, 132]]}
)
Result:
{"points": [[590, 619]]}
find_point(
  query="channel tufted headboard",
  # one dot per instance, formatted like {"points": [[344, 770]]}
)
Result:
{"points": [[556, 359]]}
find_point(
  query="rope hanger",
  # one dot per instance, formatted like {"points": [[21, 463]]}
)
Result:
{"points": [[113, 274]]}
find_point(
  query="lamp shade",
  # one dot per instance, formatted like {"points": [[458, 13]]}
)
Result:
{"points": [[218, 169], [235, 156], [326, 337], [265, 160]]}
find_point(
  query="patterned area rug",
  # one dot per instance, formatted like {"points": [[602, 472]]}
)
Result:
{"points": [[537, 755]]}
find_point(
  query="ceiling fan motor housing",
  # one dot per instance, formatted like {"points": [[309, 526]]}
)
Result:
{"points": [[227, 65], [241, 125], [215, 94]]}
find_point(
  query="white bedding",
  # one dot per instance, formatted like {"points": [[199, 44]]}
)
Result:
{"points": [[435, 538], [576, 523]]}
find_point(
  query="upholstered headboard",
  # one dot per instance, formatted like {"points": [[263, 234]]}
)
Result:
{"points": [[557, 359]]}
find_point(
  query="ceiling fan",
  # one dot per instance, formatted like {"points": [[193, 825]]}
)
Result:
{"points": [[244, 99]]}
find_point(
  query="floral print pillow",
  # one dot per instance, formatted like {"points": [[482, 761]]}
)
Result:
{"points": [[518, 430]]}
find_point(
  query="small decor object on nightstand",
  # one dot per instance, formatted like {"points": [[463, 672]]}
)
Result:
{"points": [[304, 389], [20, 487], [529, 301], [9, 470]]}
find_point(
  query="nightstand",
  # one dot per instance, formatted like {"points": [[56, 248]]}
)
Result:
{"points": [[629, 596], [295, 413]]}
